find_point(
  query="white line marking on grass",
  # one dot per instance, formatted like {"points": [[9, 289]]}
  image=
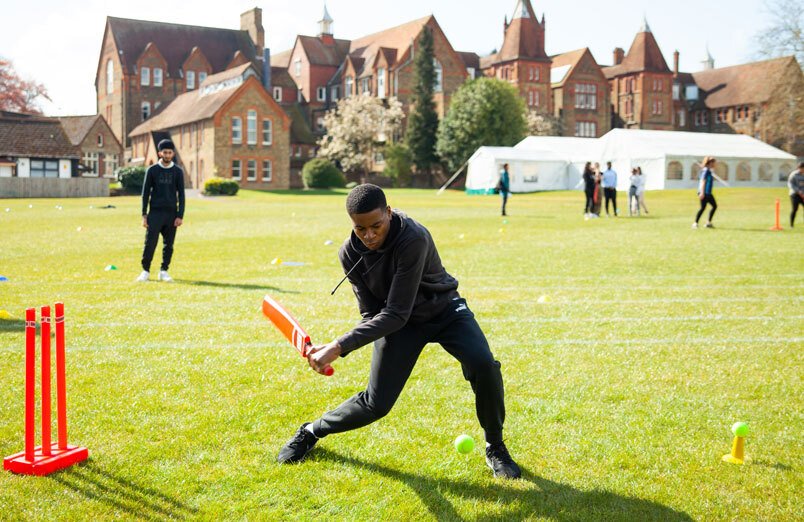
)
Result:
{"points": [[709, 341], [596, 301]]}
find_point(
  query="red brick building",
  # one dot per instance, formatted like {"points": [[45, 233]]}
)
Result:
{"points": [[640, 85], [145, 65], [580, 94], [522, 59], [230, 127], [101, 152]]}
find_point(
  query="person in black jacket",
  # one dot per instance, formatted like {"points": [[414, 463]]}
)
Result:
{"points": [[407, 299], [589, 190], [163, 190]]}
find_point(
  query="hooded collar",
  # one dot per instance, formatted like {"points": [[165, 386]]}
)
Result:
{"points": [[398, 225]]}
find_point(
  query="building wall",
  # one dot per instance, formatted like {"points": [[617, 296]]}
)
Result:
{"points": [[110, 105], [638, 91], [278, 152], [586, 72], [109, 154]]}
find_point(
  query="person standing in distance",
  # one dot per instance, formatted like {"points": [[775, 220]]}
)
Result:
{"points": [[706, 180], [795, 182], [610, 188], [407, 300], [163, 192], [504, 184]]}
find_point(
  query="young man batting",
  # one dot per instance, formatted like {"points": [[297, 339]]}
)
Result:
{"points": [[407, 299]]}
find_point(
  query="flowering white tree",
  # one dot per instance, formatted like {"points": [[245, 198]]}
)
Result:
{"points": [[355, 126]]}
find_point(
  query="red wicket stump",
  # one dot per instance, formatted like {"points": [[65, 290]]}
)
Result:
{"points": [[50, 456]]}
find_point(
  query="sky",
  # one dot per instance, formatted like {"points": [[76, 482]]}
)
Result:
{"points": [[57, 43]]}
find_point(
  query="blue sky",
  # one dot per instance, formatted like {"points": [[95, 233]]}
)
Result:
{"points": [[57, 42]]}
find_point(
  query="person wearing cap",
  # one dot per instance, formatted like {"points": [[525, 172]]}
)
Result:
{"points": [[163, 192], [795, 182], [706, 180]]}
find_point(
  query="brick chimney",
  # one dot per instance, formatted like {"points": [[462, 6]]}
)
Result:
{"points": [[675, 63], [619, 54], [251, 21]]}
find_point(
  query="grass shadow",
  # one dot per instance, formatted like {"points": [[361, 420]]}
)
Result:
{"points": [[216, 284], [546, 499], [12, 325], [141, 502]]}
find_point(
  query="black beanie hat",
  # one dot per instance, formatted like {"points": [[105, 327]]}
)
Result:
{"points": [[165, 144]]}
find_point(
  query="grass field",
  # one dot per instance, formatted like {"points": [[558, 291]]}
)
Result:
{"points": [[621, 385]]}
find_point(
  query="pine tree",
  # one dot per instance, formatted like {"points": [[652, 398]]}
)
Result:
{"points": [[423, 121]]}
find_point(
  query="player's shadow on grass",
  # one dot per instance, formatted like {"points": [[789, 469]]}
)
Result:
{"points": [[135, 500], [216, 284], [541, 498]]}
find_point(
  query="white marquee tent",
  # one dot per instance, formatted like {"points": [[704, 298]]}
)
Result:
{"points": [[669, 160]]}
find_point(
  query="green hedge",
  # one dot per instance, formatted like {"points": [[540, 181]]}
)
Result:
{"points": [[220, 186], [132, 178], [322, 173]]}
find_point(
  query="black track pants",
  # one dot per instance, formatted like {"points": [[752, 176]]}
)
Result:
{"points": [[395, 356], [159, 222]]}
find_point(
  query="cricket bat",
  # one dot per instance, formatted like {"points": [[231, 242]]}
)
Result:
{"points": [[289, 327]]}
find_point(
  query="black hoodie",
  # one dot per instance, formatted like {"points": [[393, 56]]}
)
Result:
{"points": [[403, 281]]}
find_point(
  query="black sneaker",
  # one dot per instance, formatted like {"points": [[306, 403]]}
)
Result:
{"points": [[297, 448], [501, 463]]}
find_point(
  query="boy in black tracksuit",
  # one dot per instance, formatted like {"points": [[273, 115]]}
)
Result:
{"points": [[407, 300], [163, 188]]}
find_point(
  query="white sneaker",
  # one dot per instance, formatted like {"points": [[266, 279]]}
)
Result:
{"points": [[143, 277], [164, 276], [695, 225]]}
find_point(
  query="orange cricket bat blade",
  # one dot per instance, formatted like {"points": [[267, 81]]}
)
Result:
{"points": [[289, 327]]}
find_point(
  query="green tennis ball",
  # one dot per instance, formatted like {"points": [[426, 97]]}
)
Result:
{"points": [[464, 444], [740, 429]]}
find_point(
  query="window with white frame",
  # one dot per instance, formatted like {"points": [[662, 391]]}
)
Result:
{"points": [[471, 72], [100, 140], [145, 76], [146, 110], [530, 98], [90, 160], [297, 67], [585, 96], [237, 130], [586, 129], [438, 85], [381, 82], [682, 118], [236, 169], [278, 94], [348, 87], [267, 132], [190, 80], [251, 127], [109, 76], [267, 170], [157, 77], [676, 91], [202, 75], [365, 85], [111, 163], [251, 170], [319, 122], [334, 93], [298, 151], [321, 93]]}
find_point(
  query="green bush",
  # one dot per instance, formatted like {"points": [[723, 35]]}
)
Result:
{"points": [[132, 178], [322, 173], [398, 159], [221, 187]]}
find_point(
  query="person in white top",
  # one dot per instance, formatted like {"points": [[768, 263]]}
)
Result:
{"points": [[633, 204], [641, 191]]}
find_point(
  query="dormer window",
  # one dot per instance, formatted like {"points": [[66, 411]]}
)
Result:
{"points": [[145, 76], [157, 77], [202, 75], [190, 80], [381, 83]]}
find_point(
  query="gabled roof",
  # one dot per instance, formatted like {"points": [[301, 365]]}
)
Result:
{"points": [[175, 41], [77, 127], [399, 38], [34, 137], [319, 53], [281, 59], [644, 55], [280, 77], [742, 84], [563, 65], [228, 74], [300, 129], [189, 107]]}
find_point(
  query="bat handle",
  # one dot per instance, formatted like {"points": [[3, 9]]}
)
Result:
{"points": [[328, 370]]}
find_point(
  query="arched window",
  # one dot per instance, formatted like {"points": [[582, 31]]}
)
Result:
{"points": [[109, 76], [784, 171], [675, 170], [722, 170], [765, 172], [438, 85], [743, 171]]}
